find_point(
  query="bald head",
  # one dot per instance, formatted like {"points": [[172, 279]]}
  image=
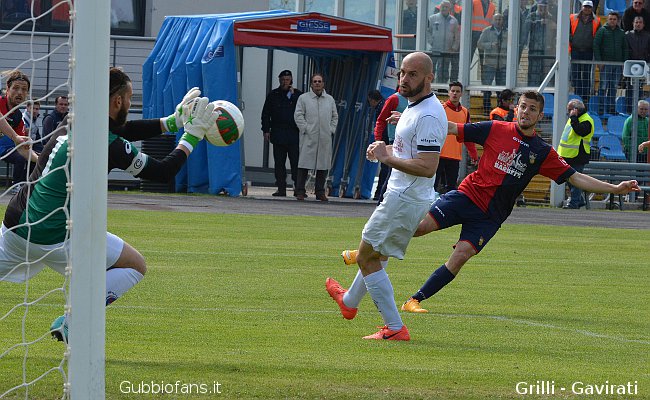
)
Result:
{"points": [[416, 75], [420, 60]]}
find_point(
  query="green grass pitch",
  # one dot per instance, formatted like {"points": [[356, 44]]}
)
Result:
{"points": [[239, 300]]}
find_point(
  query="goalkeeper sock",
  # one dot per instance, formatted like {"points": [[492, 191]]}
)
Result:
{"points": [[440, 277], [119, 281], [358, 289]]}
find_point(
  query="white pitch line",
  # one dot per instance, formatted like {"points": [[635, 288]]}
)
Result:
{"points": [[466, 316]]}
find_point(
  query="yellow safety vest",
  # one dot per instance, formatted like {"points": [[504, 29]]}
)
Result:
{"points": [[570, 141]]}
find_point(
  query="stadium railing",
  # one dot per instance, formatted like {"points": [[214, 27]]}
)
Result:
{"points": [[616, 172]]}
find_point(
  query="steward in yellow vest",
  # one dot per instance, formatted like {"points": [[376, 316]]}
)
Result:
{"points": [[575, 144]]}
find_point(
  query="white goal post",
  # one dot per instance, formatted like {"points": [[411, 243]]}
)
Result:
{"points": [[90, 22]]}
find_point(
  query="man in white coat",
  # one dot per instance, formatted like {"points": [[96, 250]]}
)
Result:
{"points": [[316, 118]]}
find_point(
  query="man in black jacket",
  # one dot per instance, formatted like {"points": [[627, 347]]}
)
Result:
{"points": [[280, 129], [52, 120]]}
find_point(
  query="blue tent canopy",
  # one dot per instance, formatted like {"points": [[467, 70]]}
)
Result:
{"points": [[203, 51]]}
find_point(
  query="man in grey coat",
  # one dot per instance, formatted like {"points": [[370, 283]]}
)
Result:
{"points": [[316, 118], [443, 40]]}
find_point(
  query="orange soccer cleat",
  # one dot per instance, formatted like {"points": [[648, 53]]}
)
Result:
{"points": [[336, 292], [349, 257], [387, 334], [413, 306]]}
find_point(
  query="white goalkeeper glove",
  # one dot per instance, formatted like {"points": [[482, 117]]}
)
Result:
{"points": [[200, 117], [175, 122]]}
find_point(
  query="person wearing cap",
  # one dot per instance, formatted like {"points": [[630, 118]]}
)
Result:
{"points": [[584, 26], [280, 129], [635, 10]]}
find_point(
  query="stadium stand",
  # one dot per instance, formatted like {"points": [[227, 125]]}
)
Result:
{"points": [[610, 148]]}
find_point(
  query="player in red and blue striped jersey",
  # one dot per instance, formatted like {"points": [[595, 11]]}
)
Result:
{"points": [[513, 154]]}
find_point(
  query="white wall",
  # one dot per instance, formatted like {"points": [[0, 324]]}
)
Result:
{"points": [[159, 9]]}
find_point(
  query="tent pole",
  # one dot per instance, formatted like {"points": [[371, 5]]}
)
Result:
{"points": [[269, 87], [239, 57]]}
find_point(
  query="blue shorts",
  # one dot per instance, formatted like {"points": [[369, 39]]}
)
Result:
{"points": [[454, 208]]}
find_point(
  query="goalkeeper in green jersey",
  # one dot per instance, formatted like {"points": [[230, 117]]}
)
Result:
{"points": [[34, 226]]}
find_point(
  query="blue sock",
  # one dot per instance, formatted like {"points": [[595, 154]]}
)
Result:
{"points": [[440, 277]]}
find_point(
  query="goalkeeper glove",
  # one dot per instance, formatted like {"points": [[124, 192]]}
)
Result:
{"points": [[200, 117], [175, 122]]}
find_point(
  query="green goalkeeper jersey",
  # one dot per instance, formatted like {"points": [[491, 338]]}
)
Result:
{"points": [[38, 212]]}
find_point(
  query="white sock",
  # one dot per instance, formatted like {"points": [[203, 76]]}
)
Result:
{"points": [[381, 291], [356, 292], [119, 281]]}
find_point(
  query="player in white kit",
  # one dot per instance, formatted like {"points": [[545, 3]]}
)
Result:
{"points": [[420, 134]]}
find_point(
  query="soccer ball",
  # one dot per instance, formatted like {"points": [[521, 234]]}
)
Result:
{"points": [[228, 127]]}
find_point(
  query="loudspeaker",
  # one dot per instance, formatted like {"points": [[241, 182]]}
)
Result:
{"points": [[635, 69]]}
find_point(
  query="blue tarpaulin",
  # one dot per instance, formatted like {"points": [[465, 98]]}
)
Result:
{"points": [[202, 51]]}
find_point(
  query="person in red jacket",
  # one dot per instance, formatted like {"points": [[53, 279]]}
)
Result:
{"points": [[385, 130]]}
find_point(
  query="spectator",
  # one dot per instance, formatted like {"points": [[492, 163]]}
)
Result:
{"points": [[638, 42], [635, 10], [505, 111], [524, 12], [30, 119], [443, 40], [643, 108], [316, 118], [13, 128], [584, 26], [409, 23], [609, 45], [386, 122], [456, 9], [451, 152], [494, 45], [281, 131], [52, 120], [482, 14], [575, 145], [539, 35], [643, 146]]}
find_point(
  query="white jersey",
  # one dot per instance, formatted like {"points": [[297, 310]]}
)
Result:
{"points": [[421, 128]]}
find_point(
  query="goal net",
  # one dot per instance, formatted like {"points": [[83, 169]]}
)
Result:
{"points": [[74, 63]]}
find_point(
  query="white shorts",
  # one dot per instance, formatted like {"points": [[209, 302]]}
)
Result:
{"points": [[392, 225], [17, 264]]}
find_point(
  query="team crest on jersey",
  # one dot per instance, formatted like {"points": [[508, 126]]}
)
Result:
{"points": [[480, 241], [532, 157], [127, 147]]}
